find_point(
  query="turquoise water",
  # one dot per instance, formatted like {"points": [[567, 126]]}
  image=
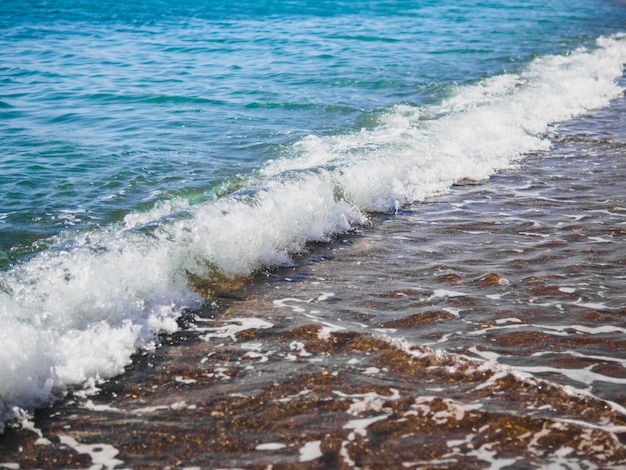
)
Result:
{"points": [[147, 142], [112, 107]]}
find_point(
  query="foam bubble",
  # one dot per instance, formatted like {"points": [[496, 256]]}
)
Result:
{"points": [[310, 451], [102, 455], [270, 446]]}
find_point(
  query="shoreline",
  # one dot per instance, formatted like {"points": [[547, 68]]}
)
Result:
{"points": [[354, 355]]}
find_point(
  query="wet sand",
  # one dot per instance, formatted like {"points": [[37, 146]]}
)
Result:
{"points": [[484, 328]]}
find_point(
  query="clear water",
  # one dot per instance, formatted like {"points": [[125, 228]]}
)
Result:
{"points": [[144, 144], [109, 108]]}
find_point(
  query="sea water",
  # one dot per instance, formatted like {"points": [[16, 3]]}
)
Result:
{"points": [[150, 145]]}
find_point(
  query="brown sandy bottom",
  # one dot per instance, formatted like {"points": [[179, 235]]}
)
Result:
{"points": [[256, 395], [482, 329]]}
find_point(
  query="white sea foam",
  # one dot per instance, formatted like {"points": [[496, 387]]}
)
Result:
{"points": [[270, 446], [74, 314], [102, 455], [310, 451], [417, 152], [236, 325]]}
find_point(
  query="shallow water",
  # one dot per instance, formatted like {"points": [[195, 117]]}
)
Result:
{"points": [[484, 328], [151, 151]]}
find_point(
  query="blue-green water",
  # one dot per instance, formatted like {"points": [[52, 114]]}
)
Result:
{"points": [[110, 107], [142, 141]]}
